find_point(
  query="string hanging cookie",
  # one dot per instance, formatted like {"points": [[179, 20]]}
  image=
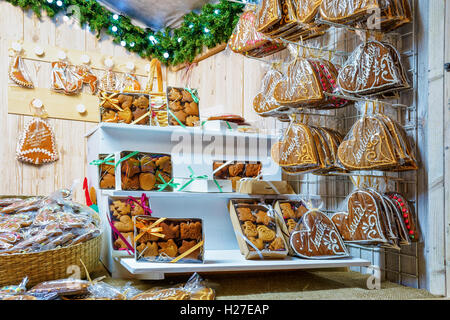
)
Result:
{"points": [[36, 144]]}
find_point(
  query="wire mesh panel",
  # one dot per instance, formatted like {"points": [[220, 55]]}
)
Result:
{"points": [[400, 266]]}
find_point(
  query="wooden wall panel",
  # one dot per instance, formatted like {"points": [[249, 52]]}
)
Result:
{"points": [[28, 179]]}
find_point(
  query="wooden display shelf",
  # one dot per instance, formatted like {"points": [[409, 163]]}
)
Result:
{"points": [[169, 130], [232, 260]]}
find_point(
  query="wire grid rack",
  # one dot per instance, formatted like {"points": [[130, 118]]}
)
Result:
{"points": [[399, 266]]}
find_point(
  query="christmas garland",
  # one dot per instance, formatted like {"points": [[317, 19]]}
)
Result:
{"points": [[212, 26]]}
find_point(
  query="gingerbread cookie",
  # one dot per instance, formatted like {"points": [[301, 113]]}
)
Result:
{"points": [[185, 246], [191, 230], [163, 294], [125, 224], [149, 249], [169, 248], [265, 234], [245, 214], [170, 231], [236, 169], [258, 243], [249, 229], [318, 238], [277, 244], [263, 217], [63, 287]]}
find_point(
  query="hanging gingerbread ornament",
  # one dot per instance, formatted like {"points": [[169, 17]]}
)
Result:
{"points": [[108, 82], [87, 76], [36, 144], [17, 69]]}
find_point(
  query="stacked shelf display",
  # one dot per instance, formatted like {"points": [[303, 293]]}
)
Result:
{"points": [[221, 247]]}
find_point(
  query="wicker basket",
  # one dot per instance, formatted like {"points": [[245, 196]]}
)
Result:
{"points": [[50, 264]]}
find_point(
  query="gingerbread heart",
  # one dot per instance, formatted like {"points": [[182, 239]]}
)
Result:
{"points": [[301, 85], [372, 68], [37, 143], [318, 238], [363, 221], [346, 11], [368, 147], [297, 148], [268, 15], [264, 103], [307, 10]]}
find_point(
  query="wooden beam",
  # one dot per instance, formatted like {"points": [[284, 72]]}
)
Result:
{"points": [[204, 55], [57, 105]]}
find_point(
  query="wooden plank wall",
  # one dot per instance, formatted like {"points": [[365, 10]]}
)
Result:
{"points": [[20, 178], [227, 83]]}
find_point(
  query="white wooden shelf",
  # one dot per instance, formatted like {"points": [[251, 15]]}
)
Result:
{"points": [[167, 131], [226, 195], [232, 260]]}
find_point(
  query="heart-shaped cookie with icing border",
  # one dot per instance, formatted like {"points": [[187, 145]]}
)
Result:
{"points": [[307, 10], [371, 69], [363, 222], [297, 148], [264, 103], [37, 143], [368, 147], [318, 238], [346, 11], [301, 85]]}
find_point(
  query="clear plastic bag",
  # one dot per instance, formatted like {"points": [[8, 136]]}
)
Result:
{"points": [[247, 40], [168, 240], [373, 68], [317, 237], [194, 289], [44, 223], [376, 142]]}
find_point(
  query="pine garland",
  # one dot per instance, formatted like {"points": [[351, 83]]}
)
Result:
{"points": [[212, 26]]}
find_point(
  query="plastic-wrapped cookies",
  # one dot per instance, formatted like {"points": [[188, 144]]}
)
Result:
{"points": [[256, 230], [183, 107]]}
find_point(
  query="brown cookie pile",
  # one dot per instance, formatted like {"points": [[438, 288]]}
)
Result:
{"points": [[259, 227], [183, 106], [174, 237], [292, 212], [237, 170], [124, 108], [107, 174], [121, 213], [38, 224], [143, 171]]}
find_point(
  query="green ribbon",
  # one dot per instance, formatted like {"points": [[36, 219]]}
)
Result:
{"points": [[99, 162], [218, 186], [94, 207], [162, 186], [126, 157], [193, 93], [174, 116], [192, 178]]}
